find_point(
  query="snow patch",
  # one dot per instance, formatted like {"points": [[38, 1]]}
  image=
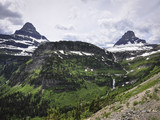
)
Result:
{"points": [[149, 53], [114, 83], [131, 58], [74, 52], [129, 47]]}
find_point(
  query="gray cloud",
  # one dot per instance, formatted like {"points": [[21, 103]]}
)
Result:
{"points": [[4, 29], [16, 21], [66, 28], [8, 15], [123, 24], [5, 12], [72, 37]]}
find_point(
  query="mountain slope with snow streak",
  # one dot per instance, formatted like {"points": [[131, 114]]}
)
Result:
{"points": [[23, 42]]}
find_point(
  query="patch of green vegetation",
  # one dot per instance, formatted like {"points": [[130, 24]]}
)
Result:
{"points": [[143, 100], [117, 107], [37, 71], [106, 115], [141, 69], [141, 88], [1, 66], [26, 89], [36, 118], [155, 70], [158, 108], [98, 118], [156, 90], [86, 94], [29, 61], [135, 103], [2, 80], [154, 118], [154, 96], [127, 104]]}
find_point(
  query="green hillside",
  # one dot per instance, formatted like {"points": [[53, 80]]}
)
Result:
{"points": [[69, 80], [53, 79]]}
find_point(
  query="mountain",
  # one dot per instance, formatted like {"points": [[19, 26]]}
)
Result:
{"points": [[22, 42], [129, 38], [130, 46], [29, 30], [63, 66], [129, 43], [59, 75]]}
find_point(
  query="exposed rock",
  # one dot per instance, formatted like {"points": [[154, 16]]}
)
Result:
{"points": [[29, 30]]}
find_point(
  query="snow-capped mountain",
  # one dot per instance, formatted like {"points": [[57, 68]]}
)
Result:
{"points": [[129, 42], [130, 47], [129, 38], [22, 42]]}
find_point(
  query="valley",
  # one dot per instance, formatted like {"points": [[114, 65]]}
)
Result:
{"points": [[73, 80]]}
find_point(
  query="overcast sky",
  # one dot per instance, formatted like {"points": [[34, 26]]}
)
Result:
{"points": [[101, 22]]}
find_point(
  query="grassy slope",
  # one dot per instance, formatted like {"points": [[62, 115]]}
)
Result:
{"points": [[142, 68]]}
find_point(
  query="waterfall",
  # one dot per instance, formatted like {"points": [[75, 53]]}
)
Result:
{"points": [[114, 83], [115, 59]]}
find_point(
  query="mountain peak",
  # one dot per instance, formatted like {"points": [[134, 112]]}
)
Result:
{"points": [[129, 38], [28, 27], [29, 30], [129, 34]]}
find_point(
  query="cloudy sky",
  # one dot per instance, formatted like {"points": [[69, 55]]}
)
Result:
{"points": [[101, 22]]}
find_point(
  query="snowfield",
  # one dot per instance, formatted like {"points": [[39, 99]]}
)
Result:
{"points": [[129, 47]]}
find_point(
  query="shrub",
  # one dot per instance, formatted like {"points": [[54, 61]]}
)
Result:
{"points": [[135, 103], [127, 104]]}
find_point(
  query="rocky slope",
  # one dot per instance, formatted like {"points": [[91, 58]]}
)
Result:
{"points": [[23, 42]]}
